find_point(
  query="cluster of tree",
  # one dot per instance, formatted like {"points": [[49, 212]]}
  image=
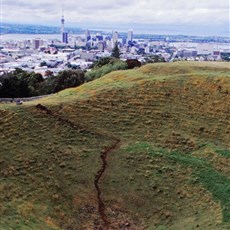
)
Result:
{"points": [[51, 64], [20, 83], [225, 56], [72, 66], [154, 59], [116, 51], [104, 66]]}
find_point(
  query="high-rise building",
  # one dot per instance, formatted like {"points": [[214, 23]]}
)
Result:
{"points": [[37, 42], [147, 49], [115, 37], [101, 45], [65, 37], [130, 36], [87, 35]]}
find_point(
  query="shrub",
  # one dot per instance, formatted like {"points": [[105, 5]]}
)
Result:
{"points": [[105, 69]]}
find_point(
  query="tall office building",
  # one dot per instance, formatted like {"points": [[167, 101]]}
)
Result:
{"points": [[87, 35], [115, 37], [130, 36], [37, 42], [65, 37], [101, 45]]}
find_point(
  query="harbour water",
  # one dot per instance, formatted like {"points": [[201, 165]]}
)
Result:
{"points": [[22, 37], [49, 37]]}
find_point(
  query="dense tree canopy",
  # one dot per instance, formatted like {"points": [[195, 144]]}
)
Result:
{"points": [[154, 59], [225, 56], [102, 61], [26, 84], [100, 68]]}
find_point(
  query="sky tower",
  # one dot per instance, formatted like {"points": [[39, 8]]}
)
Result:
{"points": [[62, 23], [63, 33]]}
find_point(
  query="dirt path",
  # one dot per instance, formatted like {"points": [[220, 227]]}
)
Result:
{"points": [[101, 205], [103, 156]]}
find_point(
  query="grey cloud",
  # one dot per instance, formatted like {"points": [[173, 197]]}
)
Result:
{"points": [[173, 12]]}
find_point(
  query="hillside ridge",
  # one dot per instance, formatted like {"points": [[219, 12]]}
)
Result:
{"points": [[140, 149]]}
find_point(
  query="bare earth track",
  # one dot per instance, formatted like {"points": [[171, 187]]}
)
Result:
{"points": [[99, 174]]}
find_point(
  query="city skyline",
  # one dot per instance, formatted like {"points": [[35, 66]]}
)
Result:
{"points": [[174, 17]]}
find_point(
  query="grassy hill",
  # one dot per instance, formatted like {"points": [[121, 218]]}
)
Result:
{"points": [[138, 149]]}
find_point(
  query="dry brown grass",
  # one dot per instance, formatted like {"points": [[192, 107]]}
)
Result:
{"points": [[48, 168]]}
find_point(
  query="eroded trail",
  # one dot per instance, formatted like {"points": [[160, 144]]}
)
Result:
{"points": [[101, 205], [103, 156]]}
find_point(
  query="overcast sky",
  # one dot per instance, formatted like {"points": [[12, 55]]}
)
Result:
{"points": [[207, 17]]}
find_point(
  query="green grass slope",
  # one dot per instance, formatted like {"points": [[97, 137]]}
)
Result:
{"points": [[170, 170]]}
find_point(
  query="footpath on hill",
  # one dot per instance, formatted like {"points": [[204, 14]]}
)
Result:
{"points": [[103, 156]]}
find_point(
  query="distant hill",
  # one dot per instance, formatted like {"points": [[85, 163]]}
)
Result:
{"points": [[35, 29], [138, 149]]}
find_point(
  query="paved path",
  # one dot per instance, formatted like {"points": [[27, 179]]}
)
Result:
{"points": [[11, 100]]}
